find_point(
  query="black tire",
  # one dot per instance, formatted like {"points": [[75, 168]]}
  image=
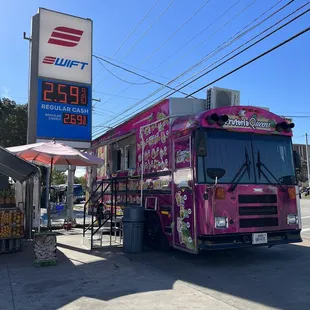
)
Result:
{"points": [[154, 236]]}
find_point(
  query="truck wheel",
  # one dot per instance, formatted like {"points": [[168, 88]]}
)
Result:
{"points": [[153, 232]]}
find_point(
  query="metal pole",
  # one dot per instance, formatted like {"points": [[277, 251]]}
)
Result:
{"points": [[48, 186], [307, 154], [84, 219], [70, 183]]}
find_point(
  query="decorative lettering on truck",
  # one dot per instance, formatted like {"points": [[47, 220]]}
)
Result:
{"points": [[253, 122]]}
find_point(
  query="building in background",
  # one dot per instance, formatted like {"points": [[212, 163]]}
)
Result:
{"points": [[301, 149]]}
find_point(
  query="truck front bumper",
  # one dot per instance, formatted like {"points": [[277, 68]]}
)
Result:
{"points": [[244, 240]]}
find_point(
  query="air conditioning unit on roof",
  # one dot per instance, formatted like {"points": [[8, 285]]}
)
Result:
{"points": [[222, 97]]}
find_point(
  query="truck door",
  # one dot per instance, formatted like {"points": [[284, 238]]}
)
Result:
{"points": [[184, 218]]}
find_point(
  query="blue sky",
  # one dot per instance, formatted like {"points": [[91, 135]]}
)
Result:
{"points": [[279, 81]]}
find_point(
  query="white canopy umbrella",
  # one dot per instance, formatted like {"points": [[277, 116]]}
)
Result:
{"points": [[53, 153]]}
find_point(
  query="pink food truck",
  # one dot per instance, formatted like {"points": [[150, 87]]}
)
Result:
{"points": [[207, 178]]}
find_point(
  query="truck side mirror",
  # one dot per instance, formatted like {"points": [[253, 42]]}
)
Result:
{"points": [[297, 160], [200, 142]]}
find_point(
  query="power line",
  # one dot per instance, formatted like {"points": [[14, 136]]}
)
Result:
{"points": [[135, 73], [215, 62], [254, 59], [240, 46], [238, 35], [141, 21], [203, 41], [298, 116], [145, 33], [176, 31], [231, 58], [109, 94], [122, 91], [253, 44], [197, 35], [132, 32], [217, 50], [119, 78], [231, 40]]}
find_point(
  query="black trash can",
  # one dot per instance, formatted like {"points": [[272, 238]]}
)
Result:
{"points": [[133, 227]]}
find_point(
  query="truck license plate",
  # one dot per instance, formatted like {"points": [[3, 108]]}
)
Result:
{"points": [[259, 238]]}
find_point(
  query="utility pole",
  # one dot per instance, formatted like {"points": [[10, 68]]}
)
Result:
{"points": [[307, 154]]}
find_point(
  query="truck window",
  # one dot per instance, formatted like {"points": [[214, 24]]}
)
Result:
{"points": [[225, 150], [118, 160], [130, 156], [229, 151]]}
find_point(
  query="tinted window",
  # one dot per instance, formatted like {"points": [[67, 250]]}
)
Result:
{"points": [[225, 150], [277, 155]]}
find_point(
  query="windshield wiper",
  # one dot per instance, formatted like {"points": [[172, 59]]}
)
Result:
{"points": [[259, 166], [242, 170]]}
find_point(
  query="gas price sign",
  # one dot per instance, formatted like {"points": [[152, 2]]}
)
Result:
{"points": [[64, 110]]}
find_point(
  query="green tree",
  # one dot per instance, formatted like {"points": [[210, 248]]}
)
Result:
{"points": [[302, 175], [13, 120], [58, 178]]}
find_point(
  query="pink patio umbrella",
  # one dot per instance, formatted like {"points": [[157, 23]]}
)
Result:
{"points": [[53, 153]]}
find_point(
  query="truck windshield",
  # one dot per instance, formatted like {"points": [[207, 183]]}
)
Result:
{"points": [[228, 150]]}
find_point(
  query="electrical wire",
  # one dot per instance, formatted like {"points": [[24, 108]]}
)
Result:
{"points": [[215, 32], [144, 34], [117, 77], [122, 91], [211, 65], [132, 32], [255, 58], [232, 39], [216, 51], [175, 32], [238, 35], [197, 35], [109, 94], [147, 31], [240, 46], [253, 44], [135, 73]]}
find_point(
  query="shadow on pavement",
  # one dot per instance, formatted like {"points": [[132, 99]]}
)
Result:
{"points": [[278, 277], [101, 275]]}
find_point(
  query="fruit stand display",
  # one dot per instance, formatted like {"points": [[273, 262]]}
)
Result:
{"points": [[11, 223]]}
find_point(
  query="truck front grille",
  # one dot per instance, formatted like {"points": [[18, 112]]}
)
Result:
{"points": [[264, 210], [259, 222], [257, 199]]}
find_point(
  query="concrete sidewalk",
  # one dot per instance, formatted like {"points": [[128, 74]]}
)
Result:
{"points": [[101, 279]]}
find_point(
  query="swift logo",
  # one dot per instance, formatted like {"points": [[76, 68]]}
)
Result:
{"points": [[62, 62], [65, 36]]}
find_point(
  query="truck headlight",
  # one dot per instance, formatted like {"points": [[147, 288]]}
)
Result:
{"points": [[292, 219], [221, 222]]}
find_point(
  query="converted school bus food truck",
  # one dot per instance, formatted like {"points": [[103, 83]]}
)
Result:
{"points": [[214, 174]]}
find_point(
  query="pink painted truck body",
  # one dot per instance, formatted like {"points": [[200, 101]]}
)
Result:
{"points": [[212, 179]]}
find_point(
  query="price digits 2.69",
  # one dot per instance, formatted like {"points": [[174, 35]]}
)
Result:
{"points": [[74, 119]]}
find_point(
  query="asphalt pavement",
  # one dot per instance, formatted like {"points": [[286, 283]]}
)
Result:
{"points": [[253, 278]]}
